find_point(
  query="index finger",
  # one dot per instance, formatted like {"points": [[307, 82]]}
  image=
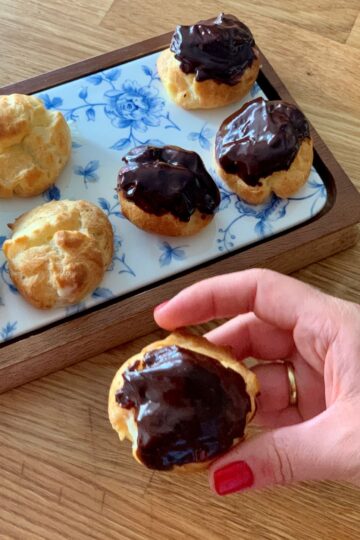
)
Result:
{"points": [[273, 297]]}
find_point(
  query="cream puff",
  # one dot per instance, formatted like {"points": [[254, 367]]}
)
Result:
{"points": [[262, 148], [167, 190], [58, 252], [182, 402], [209, 64], [35, 145]]}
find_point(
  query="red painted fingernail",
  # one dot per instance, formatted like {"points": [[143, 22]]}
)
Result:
{"points": [[233, 477], [160, 305]]}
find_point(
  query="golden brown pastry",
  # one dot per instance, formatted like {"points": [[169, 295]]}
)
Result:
{"points": [[262, 148], [35, 145], [182, 401], [58, 252], [210, 64], [167, 190]]}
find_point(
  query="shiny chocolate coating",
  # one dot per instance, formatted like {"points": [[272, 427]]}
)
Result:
{"points": [[168, 179], [188, 407], [260, 138], [220, 50]]}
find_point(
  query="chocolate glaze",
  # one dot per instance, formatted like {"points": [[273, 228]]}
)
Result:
{"points": [[259, 139], [168, 179], [220, 49], [188, 406]]}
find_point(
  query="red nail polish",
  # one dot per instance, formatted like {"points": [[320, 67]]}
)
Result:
{"points": [[233, 477], [160, 305]]}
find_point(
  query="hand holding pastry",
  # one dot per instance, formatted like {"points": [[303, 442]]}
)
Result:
{"points": [[312, 408], [182, 402]]}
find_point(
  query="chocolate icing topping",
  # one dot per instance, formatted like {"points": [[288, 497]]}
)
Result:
{"points": [[168, 179], [188, 406], [260, 138], [220, 49]]}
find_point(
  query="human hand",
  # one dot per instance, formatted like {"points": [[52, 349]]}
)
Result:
{"points": [[279, 318]]}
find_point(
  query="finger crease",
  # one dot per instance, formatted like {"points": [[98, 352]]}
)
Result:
{"points": [[286, 473]]}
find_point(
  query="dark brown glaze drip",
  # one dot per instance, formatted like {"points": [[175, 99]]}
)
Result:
{"points": [[261, 138], [220, 50], [168, 179], [188, 407]]}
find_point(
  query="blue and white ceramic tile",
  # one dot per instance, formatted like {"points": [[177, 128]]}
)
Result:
{"points": [[110, 112]]}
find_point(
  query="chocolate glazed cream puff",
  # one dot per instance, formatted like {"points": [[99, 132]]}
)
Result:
{"points": [[182, 401], [264, 147], [167, 190], [210, 64]]}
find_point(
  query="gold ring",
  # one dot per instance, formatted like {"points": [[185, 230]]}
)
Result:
{"points": [[293, 393]]}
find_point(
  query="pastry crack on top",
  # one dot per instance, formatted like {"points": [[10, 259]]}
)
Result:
{"points": [[58, 252], [35, 145]]}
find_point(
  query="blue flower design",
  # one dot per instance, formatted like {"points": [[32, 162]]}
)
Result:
{"points": [[264, 215], [96, 79], [88, 172], [318, 194], [109, 76], [3, 271], [171, 253], [202, 137], [110, 209], [102, 292], [130, 106], [112, 75], [150, 73], [52, 194], [5, 276], [120, 258], [319, 187], [272, 211], [99, 292], [51, 103], [90, 114], [75, 308], [7, 331], [134, 106]]}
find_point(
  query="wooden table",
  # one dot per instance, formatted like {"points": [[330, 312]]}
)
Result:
{"points": [[64, 475]]}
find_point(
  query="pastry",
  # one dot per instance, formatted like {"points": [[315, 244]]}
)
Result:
{"points": [[210, 64], [35, 145], [182, 402], [58, 252], [264, 147], [167, 190]]}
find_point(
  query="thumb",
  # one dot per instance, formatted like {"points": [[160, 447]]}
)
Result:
{"points": [[306, 451]]}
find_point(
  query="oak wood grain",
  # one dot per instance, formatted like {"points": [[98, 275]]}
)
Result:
{"points": [[353, 38], [63, 473]]}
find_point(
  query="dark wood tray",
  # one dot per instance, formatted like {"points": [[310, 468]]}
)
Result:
{"points": [[86, 334]]}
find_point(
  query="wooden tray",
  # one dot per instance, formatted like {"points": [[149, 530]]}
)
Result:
{"points": [[86, 334]]}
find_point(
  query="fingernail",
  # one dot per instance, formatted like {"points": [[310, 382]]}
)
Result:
{"points": [[157, 308], [233, 477]]}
